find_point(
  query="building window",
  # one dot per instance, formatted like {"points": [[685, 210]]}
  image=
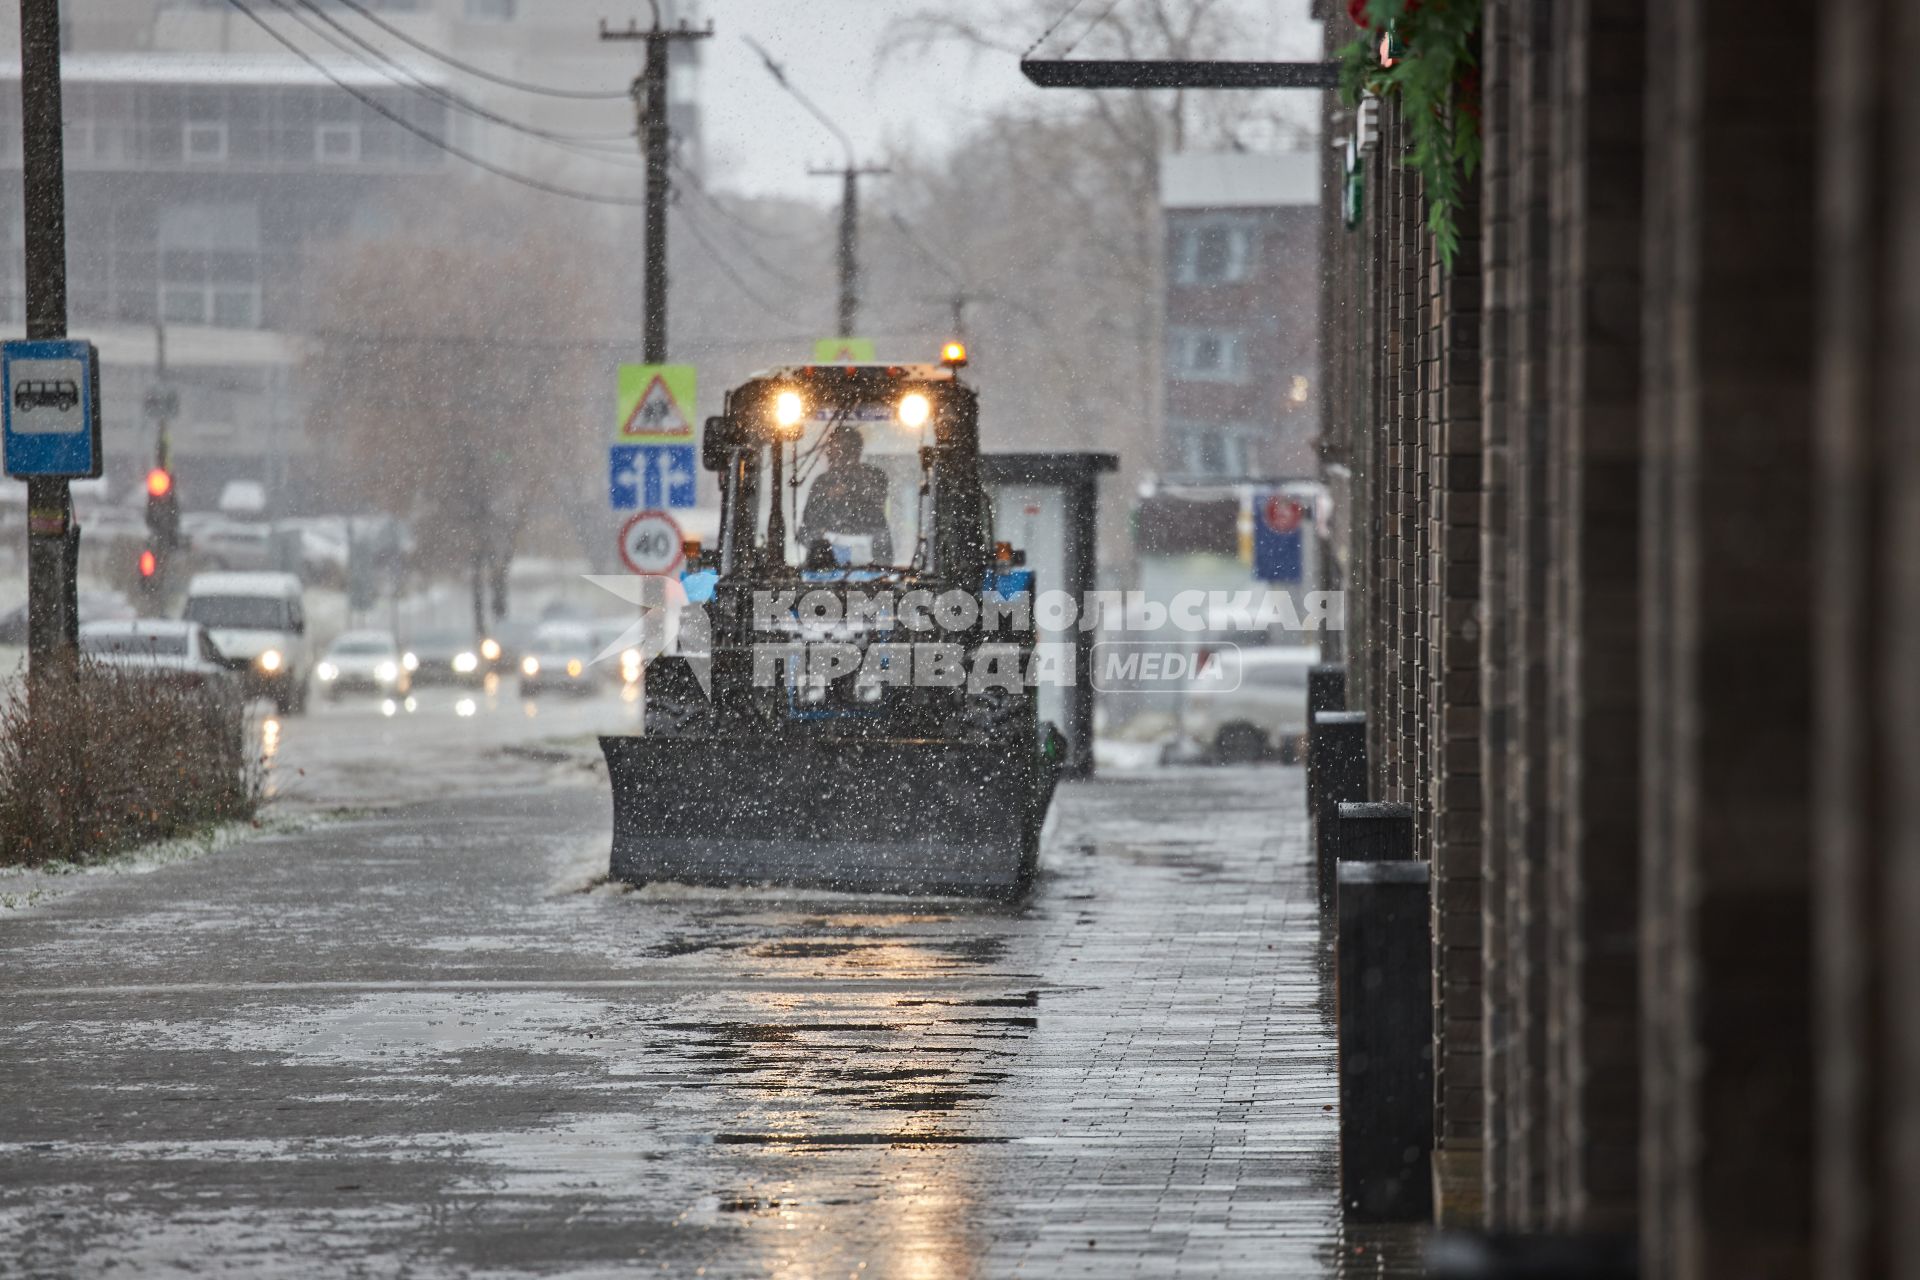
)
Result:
{"points": [[337, 143], [204, 141], [1213, 251], [1206, 355], [209, 265], [490, 10], [1211, 452]]}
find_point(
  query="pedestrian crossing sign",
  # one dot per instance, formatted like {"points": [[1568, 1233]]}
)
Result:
{"points": [[843, 351], [655, 403]]}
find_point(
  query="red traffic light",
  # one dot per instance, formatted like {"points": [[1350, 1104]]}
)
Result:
{"points": [[159, 482], [149, 563]]}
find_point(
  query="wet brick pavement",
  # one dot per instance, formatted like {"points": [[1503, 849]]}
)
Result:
{"points": [[426, 1043]]}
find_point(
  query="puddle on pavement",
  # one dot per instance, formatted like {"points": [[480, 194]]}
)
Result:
{"points": [[859, 1139]]}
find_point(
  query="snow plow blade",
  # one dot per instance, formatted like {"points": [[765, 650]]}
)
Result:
{"points": [[910, 816]]}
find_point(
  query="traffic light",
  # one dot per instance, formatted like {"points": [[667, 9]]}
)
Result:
{"points": [[163, 509], [163, 535]]}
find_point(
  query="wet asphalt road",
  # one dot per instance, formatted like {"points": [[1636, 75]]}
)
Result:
{"points": [[429, 1041]]}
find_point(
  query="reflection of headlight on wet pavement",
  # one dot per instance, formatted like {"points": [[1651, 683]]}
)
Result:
{"points": [[465, 707]]}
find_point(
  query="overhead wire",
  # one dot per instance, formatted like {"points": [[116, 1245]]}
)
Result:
{"points": [[713, 202], [692, 227], [581, 95], [377, 60], [784, 276], [478, 162], [1051, 28]]}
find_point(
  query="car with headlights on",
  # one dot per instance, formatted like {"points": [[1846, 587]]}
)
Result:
{"points": [[259, 625], [363, 662], [559, 658], [445, 657]]}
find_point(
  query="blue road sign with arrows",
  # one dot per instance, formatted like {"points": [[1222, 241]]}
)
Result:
{"points": [[648, 476]]}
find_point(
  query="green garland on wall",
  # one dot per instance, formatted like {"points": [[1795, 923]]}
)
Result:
{"points": [[1422, 51]]}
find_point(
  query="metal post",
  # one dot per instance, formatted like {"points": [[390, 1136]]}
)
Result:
{"points": [[52, 628], [849, 255], [849, 175], [656, 140]]}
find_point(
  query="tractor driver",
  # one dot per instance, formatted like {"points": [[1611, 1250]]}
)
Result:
{"points": [[849, 497]]}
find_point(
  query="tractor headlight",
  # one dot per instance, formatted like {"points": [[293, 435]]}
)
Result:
{"points": [[270, 661], [465, 663], [914, 410], [788, 409], [530, 665]]}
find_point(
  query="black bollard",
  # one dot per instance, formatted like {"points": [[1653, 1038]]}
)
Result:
{"points": [[1326, 688], [1385, 969], [1337, 773], [1371, 831]]}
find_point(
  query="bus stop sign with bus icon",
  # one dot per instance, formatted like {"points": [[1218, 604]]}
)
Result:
{"points": [[52, 409]]}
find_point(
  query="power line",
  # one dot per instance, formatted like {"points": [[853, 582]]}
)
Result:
{"points": [[582, 95], [1051, 28], [376, 59], [732, 274], [713, 202], [785, 277], [477, 162]]}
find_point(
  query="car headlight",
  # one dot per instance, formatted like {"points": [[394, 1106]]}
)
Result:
{"points": [[530, 665], [465, 663], [490, 649], [386, 673], [327, 671], [270, 660], [574, 668], [410, 660]]}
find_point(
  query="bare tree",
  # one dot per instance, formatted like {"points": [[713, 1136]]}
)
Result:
{"points": [[454, 369]]}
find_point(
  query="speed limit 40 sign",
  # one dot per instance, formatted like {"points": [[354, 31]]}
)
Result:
{"points": [[650, 542]]}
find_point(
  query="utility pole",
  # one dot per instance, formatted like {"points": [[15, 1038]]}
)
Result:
{"points": [[849, 175], [53, 542], [650, 103]]}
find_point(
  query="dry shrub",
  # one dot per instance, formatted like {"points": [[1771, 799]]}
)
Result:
{"points": [[112, 758]]}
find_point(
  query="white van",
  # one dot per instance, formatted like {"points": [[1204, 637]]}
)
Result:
{"points": [[259, 622]]}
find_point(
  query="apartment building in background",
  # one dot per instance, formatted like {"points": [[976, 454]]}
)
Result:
{"points": [[1241, 315], [211, 170]]}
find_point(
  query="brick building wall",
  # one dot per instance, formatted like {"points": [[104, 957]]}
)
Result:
{"points": [[1729, 429], [1490, 614], [1867, 860], [1682, 763], [1592, 837]]}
